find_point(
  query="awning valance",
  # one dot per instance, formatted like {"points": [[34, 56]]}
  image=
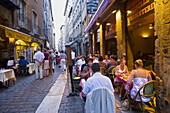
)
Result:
{"points": [[12, 33]]}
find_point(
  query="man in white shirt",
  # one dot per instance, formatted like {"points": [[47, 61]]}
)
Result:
{"points": [[73, 56], [97, 81], [39, 58], [81, 62]]}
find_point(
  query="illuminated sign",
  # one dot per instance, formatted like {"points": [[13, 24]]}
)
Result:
{"points": [[140, 8]]}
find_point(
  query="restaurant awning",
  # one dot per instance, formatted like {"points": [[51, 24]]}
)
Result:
{"points": [[99, 11], [12, 33]]}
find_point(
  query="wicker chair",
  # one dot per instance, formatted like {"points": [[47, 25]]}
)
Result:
{"points": [[21, 70], [103, 70], [149, 91], [148, 67], [109, 71]]}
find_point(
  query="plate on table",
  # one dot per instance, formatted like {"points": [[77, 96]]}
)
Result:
{"points": [[119, 75]]}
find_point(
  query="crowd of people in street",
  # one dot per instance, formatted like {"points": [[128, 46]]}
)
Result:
{"points": [[44, 62], [90, 69]]}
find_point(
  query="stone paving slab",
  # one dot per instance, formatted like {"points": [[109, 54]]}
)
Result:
{"points": [[52, 101], [27, 94]]}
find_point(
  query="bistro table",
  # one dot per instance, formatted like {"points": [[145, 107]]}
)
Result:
{"points": [[31, 67], [120, 78], [6, 75]]}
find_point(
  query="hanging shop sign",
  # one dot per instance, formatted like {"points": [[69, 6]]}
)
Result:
{"points": [[91, 8], [36, 40], [141, 9]]}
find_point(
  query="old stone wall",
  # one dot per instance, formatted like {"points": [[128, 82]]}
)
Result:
{"points": [[162, 46], [120, 24]]}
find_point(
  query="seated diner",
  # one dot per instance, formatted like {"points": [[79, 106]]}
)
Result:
{"points": [[139, 76], [121, 70]]}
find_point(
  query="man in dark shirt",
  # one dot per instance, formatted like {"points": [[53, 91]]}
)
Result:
{"points": [[112, 62], [23, 63]]}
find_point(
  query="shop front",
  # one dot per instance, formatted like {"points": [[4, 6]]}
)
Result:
{"points": [[35, 43], [103, 29], [13, 43], [140, 32]]}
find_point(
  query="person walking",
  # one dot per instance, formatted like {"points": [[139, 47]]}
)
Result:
{"points": [[46, 62], [63, 58], [50, 62], [53, 60], [39, 58]]}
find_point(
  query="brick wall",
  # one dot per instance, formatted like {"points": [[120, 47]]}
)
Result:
{"points": [[37, 6]]}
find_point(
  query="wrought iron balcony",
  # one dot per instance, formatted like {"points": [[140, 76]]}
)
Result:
{"points": [[24, 22]]}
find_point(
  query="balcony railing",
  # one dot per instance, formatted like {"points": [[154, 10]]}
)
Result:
{"points": [[24, 22]]}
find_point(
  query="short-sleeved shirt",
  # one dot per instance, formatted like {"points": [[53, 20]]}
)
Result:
{"points": [[46, 56], [111, 63], [39, 56], [23, 62], [97, 81], [53, 55], [63, 56]]}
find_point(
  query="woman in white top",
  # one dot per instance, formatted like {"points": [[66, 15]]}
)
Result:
{"points": [[139, 76], [121, 70]]}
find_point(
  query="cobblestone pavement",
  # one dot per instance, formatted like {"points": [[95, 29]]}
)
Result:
{"points": [[70, 104], [26, 94], [76, 105]]}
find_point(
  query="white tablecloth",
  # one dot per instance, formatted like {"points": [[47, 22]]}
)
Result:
{"points": [[7, 74], [31, 67]]}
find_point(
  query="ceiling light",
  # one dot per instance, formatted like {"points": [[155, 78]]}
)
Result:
{"points": [[114, 11], [108, 24], [150, 26], [129, 12], [97, 24]]}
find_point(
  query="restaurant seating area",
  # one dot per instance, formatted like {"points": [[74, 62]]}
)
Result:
{"points": [[9, 74], [147, 89]]}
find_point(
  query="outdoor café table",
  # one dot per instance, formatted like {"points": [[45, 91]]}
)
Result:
{"points": [[31, 67], [6, 75], [124, 82]]}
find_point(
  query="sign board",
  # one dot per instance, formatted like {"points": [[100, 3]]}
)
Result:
{"points": [[91, 8]]}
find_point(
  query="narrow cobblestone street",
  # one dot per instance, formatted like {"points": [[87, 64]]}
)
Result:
{"points": [[26, 94], [75, 104]]}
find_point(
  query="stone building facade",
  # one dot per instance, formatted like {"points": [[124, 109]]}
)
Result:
{"points": [[162, 49]]}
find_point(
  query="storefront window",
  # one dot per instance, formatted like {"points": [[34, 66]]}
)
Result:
{"points": [[21, 48]]}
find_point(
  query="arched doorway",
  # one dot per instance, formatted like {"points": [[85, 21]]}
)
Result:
{"points": [[34, 46], [21, 48]]}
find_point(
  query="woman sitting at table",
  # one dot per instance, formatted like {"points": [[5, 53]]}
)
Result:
{"points": [[139, 76], [121, 70], [87, 72], [23, 63]]}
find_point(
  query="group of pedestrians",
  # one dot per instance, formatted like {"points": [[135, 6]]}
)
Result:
{"points": [[44, 60]]}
